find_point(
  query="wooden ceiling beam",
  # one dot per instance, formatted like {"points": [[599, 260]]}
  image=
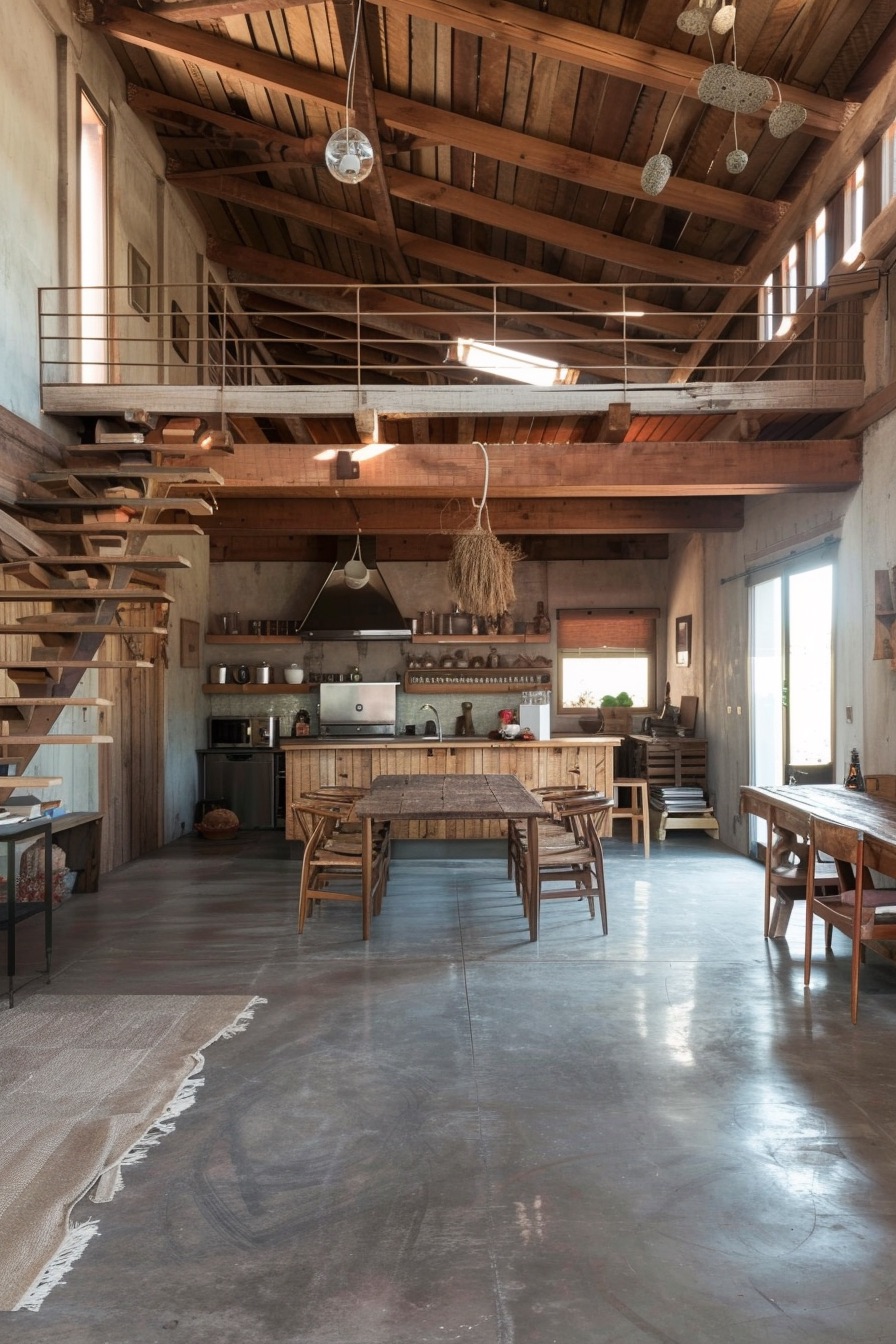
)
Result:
{"points": [[201, 11], [594, 48], [445, 255], [537, 471], [394, 548], [518, 516], [404, 114], [574, 237]]}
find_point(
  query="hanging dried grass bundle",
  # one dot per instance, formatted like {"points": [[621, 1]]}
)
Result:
{"points": [[480, 567]]}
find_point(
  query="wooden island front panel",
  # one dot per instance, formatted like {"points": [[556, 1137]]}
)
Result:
{"points": [[316, 763]]}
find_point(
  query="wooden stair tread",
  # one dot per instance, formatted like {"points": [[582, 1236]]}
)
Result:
{"points": [[183, 475], [41, 663], [90, 561], [84, 595], [51, 701], [64, 739], [141, 449], [188, 504], [35, 628], [30, 781], [101, 530]]}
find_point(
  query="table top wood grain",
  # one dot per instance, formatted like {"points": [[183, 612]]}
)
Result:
{"points": [[867, 812], [448, 798]]}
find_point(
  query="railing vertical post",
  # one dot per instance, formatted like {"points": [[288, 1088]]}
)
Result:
{"points": [[358, 337]]}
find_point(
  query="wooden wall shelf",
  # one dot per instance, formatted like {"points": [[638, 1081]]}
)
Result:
{"points": [[476, 680], [255, 688], [460, 641], [884, 618], [253, 639]]}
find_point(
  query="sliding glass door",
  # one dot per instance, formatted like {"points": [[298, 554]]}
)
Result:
{"points": [[791, 680]]}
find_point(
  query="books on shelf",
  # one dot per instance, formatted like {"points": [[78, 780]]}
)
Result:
{"points": [[679, 801]]}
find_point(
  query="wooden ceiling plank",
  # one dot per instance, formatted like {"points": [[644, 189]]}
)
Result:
{"points": [[597, 49], [200, 11], [417, 118]]}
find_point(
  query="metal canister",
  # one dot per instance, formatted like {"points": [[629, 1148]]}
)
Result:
{"points": [[217, 674], [263, 674]]}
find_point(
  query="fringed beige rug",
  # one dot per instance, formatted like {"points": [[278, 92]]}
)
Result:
{"points": [[87, 1083]]}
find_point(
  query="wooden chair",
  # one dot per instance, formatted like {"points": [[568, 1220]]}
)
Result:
{"points": [[637, 810], [860, 918], [575, 862], [786, 876], [332, 860]]}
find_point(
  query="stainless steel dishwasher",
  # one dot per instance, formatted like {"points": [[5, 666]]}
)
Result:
{"points": [[246, 780]]}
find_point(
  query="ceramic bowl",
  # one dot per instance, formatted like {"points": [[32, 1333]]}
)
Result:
{"points": [[511, 730], [293, 675]]}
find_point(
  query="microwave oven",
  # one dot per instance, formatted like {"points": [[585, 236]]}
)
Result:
{"points": [[257, 731]]}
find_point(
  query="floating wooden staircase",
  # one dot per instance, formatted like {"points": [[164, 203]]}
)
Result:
{"points": [[74, 557]]}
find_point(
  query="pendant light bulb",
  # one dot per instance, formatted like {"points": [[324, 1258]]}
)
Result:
{"points": [[349, 155]]}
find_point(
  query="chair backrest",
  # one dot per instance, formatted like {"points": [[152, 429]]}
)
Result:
{"points": [[581, 814], [309, 812], [844, 844]]}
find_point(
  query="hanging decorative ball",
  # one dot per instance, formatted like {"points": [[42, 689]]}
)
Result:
{"points": [[737, 161], [349, 155], [723, 19], [693, 21], [734, 90], [656, 173], [785, 118]]}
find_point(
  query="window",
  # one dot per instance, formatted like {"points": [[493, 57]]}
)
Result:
{"points": [[789, 290], [854, 212], [504, 362], [605, 652], [888, 164], [92, 240], [817, 250], [767, 309]]}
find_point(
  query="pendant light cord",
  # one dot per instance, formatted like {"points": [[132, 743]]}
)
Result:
{"points": [[352, 62]]}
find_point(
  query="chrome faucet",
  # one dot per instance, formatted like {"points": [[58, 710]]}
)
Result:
{"points": [[438, 720]]}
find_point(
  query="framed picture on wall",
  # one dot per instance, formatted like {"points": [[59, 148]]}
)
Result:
{"points": [[683, 641]]}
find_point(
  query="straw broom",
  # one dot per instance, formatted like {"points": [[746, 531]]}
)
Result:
{"points": [[480, 567]]}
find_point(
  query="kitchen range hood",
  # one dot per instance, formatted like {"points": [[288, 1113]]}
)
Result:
{"points": [[344, 611]]}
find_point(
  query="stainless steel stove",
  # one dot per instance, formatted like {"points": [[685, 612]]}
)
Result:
{"points": [[358, 709]]}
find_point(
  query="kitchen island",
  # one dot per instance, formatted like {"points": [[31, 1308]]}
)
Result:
{"points": [[312, 763]]}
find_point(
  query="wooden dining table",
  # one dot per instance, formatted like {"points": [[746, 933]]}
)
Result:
{"points": [[790, 807], [447, 798]]}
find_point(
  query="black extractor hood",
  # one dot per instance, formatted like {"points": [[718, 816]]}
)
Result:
{"points": [[342, 611]]}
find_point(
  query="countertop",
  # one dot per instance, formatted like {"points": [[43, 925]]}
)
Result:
{"points": [[418, 740]]}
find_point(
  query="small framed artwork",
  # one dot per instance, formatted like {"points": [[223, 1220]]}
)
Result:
{"points": [[683, 641], [189, 643]]}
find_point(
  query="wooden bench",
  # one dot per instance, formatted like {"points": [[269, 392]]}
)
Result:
{"points": [[78, 835]]}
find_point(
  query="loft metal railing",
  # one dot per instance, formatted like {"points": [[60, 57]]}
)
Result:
{"points": [[251, 334]]}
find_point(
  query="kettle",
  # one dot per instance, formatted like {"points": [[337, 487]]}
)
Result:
{"points": [[217, 674], [263, 674]]}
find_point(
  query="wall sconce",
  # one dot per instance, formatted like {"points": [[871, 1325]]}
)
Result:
{"points": [[347, 469]]}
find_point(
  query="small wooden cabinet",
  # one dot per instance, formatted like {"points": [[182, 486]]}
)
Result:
{"points": [[672, 763]]}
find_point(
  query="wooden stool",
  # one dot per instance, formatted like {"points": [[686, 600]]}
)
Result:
{"points": [[637, 811]]}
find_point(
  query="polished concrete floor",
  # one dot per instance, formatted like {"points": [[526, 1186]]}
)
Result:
{"points": [[450, 1134]]}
